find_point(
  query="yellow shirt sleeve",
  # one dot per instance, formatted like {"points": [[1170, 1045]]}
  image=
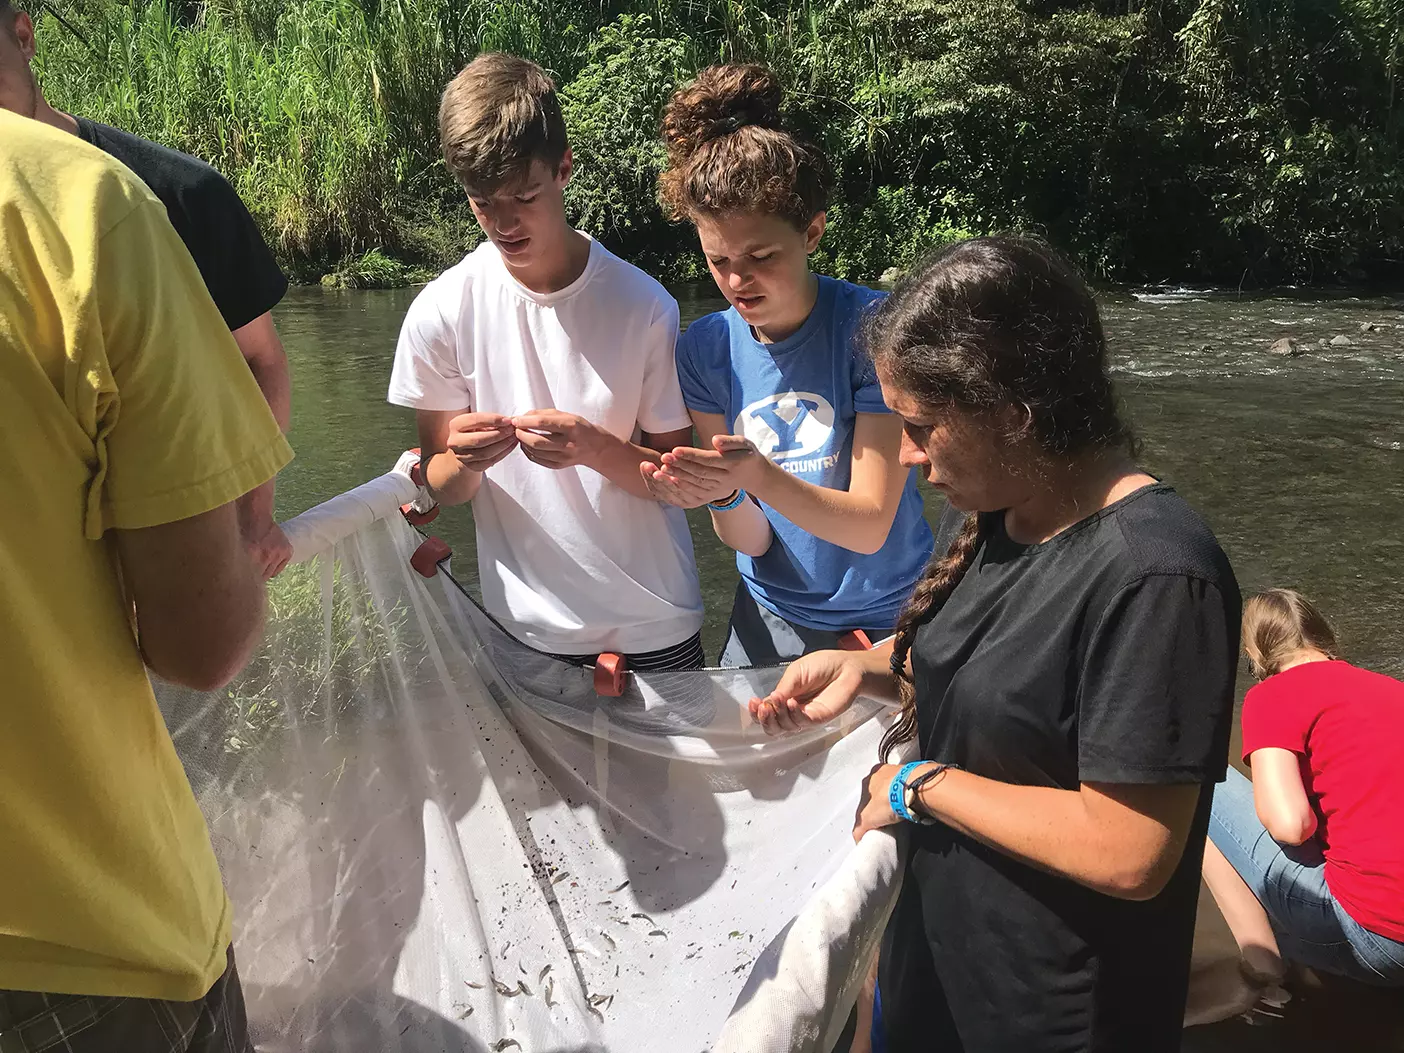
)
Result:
{"points": [[182, 427]]}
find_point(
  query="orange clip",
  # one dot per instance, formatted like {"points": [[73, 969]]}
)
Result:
{"points": [[427, 557], [855, 640], [419, 518], [610, 670]]}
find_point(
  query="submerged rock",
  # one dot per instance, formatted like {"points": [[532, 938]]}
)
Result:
{"points": [[1369, 327], [1341, 340], [1288, 346]]}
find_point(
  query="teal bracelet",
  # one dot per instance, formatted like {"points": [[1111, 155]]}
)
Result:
{"points": [[732, 502], [897, 791]]}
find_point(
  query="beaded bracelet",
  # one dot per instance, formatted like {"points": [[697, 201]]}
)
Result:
{"points": [[734, 501]]}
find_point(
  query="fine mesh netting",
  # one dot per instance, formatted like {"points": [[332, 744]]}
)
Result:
{"points": [[438, 839]]}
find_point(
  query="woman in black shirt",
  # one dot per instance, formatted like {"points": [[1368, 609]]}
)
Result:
{"points": [[1065, 672]]}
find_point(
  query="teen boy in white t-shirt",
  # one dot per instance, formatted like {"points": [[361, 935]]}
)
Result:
{"points": [[542, 375]]}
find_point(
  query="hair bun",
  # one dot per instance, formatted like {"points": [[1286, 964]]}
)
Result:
{"points": [[722, 100]]}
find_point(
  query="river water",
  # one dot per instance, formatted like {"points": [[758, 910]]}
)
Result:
{"points": [[1297, 464]]}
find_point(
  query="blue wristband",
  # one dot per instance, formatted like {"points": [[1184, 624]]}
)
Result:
{"points": [[897, 792], [735, 502]]}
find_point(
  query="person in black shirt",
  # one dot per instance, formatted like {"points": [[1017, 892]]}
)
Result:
{"points": [[1065, 673], [239, 271]]}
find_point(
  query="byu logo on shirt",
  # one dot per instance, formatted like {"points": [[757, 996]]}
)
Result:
{"points": [[788, 425]]}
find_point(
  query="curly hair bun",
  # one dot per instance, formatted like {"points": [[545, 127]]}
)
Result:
{"points": [[722, 100]]}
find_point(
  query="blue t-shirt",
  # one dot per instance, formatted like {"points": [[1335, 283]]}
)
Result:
{"points": [[797, 401]]}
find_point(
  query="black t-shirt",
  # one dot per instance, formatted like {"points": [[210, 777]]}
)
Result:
{"points": [[239, 271], [1106, 654]]}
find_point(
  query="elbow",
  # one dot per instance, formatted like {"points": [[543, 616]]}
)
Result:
{"points": [[1289, 828], [755, 549], [1139, 880], [208, 671], [206, 651], [871, 541]]}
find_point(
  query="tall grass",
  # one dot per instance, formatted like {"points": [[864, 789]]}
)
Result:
{"points": [[321, 112]]}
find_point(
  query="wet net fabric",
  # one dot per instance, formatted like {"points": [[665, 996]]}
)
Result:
{"points": [[436, 839]]}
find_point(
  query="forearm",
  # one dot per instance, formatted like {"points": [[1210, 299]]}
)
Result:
{"points": [[744, 528], [1045, 827], [256, 511], [851, 521], [878, 683], [618, 461], [450, 483]]}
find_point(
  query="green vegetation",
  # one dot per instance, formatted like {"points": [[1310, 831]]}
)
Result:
{"points": [[1251, 141]]}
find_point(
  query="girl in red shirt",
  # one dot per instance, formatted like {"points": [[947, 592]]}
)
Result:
{"points": [[1306, 862]]}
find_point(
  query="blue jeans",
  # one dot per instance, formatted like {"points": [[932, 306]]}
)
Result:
{"points": [[1290, 883]]}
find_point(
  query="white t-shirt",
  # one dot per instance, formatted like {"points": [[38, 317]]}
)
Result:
{"points": [[569, 562]]}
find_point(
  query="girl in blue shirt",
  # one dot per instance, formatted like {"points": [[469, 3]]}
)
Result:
{"points": [[798, 459]]}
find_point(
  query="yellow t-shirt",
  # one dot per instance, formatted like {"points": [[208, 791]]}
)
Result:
{"points": [[124, 403]]}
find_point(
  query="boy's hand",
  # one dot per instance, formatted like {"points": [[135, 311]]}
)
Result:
{"points": [[480, 440], [554, 439], [270, 552]]}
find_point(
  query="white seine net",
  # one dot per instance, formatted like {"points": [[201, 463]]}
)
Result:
{"points": [[437, 839]]}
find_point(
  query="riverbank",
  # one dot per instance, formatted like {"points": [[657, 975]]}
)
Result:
{"points": [[1161, 143]]}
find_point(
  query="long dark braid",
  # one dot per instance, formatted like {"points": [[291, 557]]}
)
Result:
{"points": [[938, 581], [984, 326]]}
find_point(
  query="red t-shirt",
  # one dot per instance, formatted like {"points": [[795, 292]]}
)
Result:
{"points": [[1347, 726]]}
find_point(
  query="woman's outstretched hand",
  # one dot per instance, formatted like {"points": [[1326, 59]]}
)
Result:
{"points": [[813, 690]]}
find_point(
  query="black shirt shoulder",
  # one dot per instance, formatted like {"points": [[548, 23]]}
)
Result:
{"points": [[239, 270], [1161, 534]]}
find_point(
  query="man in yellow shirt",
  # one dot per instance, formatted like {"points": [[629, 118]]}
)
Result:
{"points": [[239, 271], [121, 456]]}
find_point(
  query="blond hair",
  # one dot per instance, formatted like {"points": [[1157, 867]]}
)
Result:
{"points": [[498, 116], [1278, 625]]}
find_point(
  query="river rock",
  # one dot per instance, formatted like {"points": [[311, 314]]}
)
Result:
{"points": [[1287, 346], [1341, 340], [891, 275], [1369, 327]]}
